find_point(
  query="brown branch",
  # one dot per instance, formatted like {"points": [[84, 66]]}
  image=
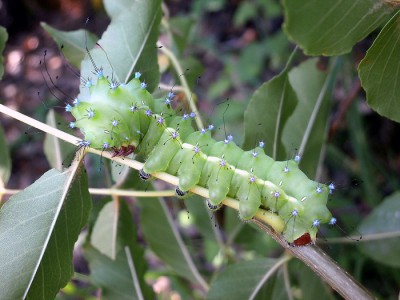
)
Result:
{"points": [[323, 266], [343, 108]]}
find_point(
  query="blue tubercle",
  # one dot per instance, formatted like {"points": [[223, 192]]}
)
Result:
{"points": [[68, 107], [332, 188], [316, 223], [332, 221], [228, 139], [114, 85], [88, 83], [100, 73]]}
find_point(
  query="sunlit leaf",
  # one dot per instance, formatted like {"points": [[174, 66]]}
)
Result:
{"points": [[129, 42], [105, 230], [58, 153], [39, 227], [74, 42]]}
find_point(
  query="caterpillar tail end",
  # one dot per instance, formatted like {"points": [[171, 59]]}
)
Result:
{"points": [[304, 240]]}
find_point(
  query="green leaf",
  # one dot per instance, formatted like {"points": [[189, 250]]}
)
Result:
{"points": [[129, 42], [114, 9], [201, 216], [362, 151], [380, 70], [264, 119], [245, 12], [306, 127], [277, 50], [181, 26], [276, 287], [178, 285], [74, 42], [239, 281], [39, 227], [195, 66], [332, 27], [56, 150], [105, 230], [5, 160], [384, 220], [3, 40], [122, 278], [312, 287], [247, 70], [162, 235], [120, 173]]}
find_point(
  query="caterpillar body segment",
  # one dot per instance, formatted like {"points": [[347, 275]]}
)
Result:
{"points": [[191, 168], [249, 195], [126, 116], [151, 137], [166, 148]]}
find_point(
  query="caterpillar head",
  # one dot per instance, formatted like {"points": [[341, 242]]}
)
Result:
{"points": [[112, 116]]}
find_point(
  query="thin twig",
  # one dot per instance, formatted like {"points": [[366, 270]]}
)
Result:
{"points": [[167, 87], [267, 275], [365, 238], [135, 279], [108, 192], [186, 255]]}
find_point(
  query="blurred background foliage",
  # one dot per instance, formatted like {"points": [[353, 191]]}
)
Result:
{"points": [[228, 49]]}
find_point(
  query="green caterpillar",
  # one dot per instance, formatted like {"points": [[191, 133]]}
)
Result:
{"points": [[125, 118]]}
